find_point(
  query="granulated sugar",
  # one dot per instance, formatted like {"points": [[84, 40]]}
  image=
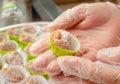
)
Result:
{"points": [[13, 75], [14, 58]]}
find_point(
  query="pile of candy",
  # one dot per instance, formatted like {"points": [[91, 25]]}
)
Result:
{"points": [[15, 54]]}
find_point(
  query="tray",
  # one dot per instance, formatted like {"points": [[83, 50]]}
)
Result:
{"points": [[41, 24]]}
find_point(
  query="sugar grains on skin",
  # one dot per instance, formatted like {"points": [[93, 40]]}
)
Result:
{"points": [[14, 58], [13, 75], [62, 39], [8, 45]]}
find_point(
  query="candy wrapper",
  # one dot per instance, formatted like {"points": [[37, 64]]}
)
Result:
{"points": [[15, 42], [15, 58], [34, 71], [8, 46], [32, 29], [64, 43], [14, 33], [26, 39], [35, 79], [15, 74]]}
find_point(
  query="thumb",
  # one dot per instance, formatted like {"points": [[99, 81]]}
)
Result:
{"points": [[68, 18], [86, 69], [109, 55], [41, 45]]}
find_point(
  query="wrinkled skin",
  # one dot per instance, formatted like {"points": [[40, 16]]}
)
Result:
{"points": [[97, 26]]}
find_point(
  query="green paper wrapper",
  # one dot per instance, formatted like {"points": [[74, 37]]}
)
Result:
{"points": [[46, 76], [7, 45], [23, 44], [32, 71], [16, 38], [59, 51], [30, 57], [14, 33], [2, 52], [26, 39]]}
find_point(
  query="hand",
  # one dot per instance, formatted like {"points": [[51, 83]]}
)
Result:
{"points": [[94, 29], [99, 72], [96, 25]]}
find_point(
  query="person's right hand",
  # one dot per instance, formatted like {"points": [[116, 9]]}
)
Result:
{"points": [[104, 71], [96, 25]]}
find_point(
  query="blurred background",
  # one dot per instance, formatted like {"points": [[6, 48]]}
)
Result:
{"points": [[36, 10]]}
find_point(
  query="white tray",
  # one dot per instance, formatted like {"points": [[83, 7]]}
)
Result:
{"points": [[19, 25]]}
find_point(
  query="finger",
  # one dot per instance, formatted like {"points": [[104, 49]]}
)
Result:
{"points": [[68, 18], [86, 69], [90, 55], [109, 55], [81, 52], [53, 68], [32, 69], [40, 46], [61, 79], [87, 82], [70, 64], [41, 62]]}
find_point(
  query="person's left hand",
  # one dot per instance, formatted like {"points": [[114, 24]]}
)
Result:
{"points": [[95, 24], [105, 71]]}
